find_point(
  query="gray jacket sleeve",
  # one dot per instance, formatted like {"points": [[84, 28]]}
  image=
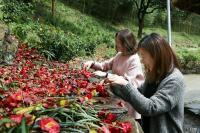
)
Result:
{"points": [[166, 97]]}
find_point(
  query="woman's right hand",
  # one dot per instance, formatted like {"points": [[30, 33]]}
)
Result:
{"points": [[115, 79], [87, 65], [100, 74]]}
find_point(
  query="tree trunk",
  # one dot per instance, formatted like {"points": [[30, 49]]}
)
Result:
{"points": [[140, 24], [83, 6], [53, 7]]}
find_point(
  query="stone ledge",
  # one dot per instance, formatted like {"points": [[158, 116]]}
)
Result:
{"points": [[192, 67]]}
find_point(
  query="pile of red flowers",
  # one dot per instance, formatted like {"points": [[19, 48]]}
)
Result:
{"points": [[33, 85]]}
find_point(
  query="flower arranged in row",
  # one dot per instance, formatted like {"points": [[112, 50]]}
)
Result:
{"points": [[41, 95]]}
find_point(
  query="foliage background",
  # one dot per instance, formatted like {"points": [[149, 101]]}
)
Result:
{"points": [[80, 28]]}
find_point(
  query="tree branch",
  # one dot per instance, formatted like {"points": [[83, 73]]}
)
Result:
{"points": [[137, 6], [156, 8]]}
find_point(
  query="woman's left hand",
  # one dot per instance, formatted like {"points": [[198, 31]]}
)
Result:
{"points": [[115, 79]]}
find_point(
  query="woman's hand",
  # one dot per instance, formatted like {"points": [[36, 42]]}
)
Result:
{"points": [[100, 73], [115, 79], [87, 65]]}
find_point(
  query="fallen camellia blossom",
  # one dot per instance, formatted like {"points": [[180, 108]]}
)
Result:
{"points": [[17, 118], [50, 125]]}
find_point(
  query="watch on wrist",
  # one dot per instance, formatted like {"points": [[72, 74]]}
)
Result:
{"points": [[92, 64], [106, 75]]}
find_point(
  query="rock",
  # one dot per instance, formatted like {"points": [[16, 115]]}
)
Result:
{"points": [[193, 107], [8, 46], [192, 117], [3, 28], [190, 67], [191, 122]]}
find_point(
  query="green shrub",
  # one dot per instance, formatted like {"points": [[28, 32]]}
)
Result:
{"points": [[110, 53], [21, 30], [16, 11], [188, 55], [53, 42]]}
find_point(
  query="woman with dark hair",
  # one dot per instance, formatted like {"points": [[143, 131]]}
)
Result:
{"points": [[126, 63], [160, 99]]}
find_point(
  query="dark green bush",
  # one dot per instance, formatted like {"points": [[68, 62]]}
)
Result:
{"points": [[16, 11], [53, 42], [107, 9]]}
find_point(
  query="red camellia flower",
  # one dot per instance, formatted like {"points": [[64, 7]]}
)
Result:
{"points": [[11, 102], [50, 125], [102, 113], [107, 117], [120, 127], [101, 90], [52, 91], [126, 127], [111, 117], [114, 129], [87, 74], [82, 84], [2, 71], [63, 91], [17, 96], [89, 95], [17, 118]]}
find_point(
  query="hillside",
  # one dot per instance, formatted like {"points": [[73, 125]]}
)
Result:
{"points": [[70, 19], [71, 33]]}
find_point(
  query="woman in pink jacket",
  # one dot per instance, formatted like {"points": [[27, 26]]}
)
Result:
{"points": [[125, 63]]}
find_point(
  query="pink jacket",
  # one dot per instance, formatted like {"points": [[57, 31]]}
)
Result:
{"points": [[128, 67]]}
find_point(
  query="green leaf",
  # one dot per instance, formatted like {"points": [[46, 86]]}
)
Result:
{"points": [[66, 115], [5, 120], [1, 96], [74, 130], [70, 123], [88, 120], [24, 128], [11, 130]]}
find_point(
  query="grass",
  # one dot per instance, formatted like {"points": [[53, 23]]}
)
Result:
{"points": [[180, 40], [83, 25]]}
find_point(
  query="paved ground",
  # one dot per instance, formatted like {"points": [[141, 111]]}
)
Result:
{"points": [[192, 87], [192, 95]]}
